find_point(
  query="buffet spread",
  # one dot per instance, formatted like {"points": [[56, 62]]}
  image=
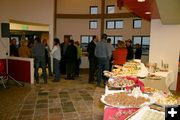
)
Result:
{"points": [[127, 98]]}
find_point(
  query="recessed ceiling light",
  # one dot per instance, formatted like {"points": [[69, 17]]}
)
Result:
{"points": [[141, 0], [147, 13]]}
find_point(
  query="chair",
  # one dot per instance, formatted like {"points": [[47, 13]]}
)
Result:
{"points": [[3, 73]]}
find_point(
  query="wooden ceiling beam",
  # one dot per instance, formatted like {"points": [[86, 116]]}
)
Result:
{"points": [[95, 16]]}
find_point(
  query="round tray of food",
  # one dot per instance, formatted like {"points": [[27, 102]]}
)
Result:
{"points": [[125, 100], [120, 82], [125, 82], [150, 90], [165, 99], [154, 77]]}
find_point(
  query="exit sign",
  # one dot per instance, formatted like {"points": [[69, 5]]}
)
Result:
{"points": [[24, 27]]}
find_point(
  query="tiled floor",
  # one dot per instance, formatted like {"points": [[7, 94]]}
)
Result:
{"points": [[64, 100]]}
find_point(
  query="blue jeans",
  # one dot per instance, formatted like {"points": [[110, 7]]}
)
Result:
{"points": [[103, 64], [56, 69], [40, 62]]}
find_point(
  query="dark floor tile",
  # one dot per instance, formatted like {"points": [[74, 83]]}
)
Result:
{"points": [[68, 107], [42, 101], [40, 117], [55, 116], [42, 111], [55, 110], [26, 112], [87, 98], [43, 93], [63, 95], [65, 100], [71, 116], [25, 117], [52, 97], [28, 106], [54, 105], [42, 106]]}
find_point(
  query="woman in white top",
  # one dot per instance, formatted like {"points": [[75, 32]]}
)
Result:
{"points": [[56, 54]]}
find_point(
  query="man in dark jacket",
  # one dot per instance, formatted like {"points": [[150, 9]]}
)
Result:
{"points": [[71, 58], [92, 59], [63, 47]]}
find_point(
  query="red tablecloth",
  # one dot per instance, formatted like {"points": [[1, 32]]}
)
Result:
{"points": [[111, 113]]}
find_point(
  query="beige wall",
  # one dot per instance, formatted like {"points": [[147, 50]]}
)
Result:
{"points": [[78, 27], [76, 6], [127, 31], [74, 27], [165, 45], [82, 6], [35, 11]]}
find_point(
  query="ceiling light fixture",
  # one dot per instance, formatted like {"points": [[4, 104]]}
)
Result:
{"points": [[141, 0], [147, 13]]}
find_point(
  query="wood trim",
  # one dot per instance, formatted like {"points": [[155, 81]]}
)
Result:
{"points": [[102, 16], [27, 23], [55, 10], [95, 16], [79, 16]]}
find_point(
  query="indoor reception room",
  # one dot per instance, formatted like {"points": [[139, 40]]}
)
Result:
{"points": [[89, 60]]}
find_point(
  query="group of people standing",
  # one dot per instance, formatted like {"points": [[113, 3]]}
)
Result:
{"points": [[102, 55], [66, 57]]}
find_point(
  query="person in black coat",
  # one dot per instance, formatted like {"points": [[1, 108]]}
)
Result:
{"points": [[71, 58], [63, 47], [92, 59], [129, 47], [138, 51]]}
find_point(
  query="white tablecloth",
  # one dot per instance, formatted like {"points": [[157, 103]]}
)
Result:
{"points": [[162, 84]]}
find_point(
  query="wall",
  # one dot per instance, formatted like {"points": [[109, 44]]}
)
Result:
{"points": [[127, 31], [165, 45], [35, 11], [76, 6], [75, 27], [78, 27]]}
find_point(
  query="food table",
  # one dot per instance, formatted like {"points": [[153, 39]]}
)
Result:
{"points": [[162, 83], [120, 110]]}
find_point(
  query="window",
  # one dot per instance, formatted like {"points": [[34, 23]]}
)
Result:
{"points": [[93, 10], [110, 9], [144, 41], [137, 23], [114, 24], [85, 39], [92, 24], [115, 39]]}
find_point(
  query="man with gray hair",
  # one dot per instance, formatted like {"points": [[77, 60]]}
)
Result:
{"points": [[102, 54]]}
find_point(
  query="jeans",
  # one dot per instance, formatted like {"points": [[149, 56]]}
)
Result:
{"points": [[103, 64], [56, 69], [40, 62]]}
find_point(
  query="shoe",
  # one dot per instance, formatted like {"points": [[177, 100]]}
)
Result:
{"points": [[91, 82], [45, 82], [55, 80], [67, 78]]}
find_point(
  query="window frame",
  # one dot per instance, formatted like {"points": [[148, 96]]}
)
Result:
{"points": [[134, 24], [90, 24], [84, 45], [113, 42], [115, 22], [91, 11], [107, 10], [142, 46]]}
